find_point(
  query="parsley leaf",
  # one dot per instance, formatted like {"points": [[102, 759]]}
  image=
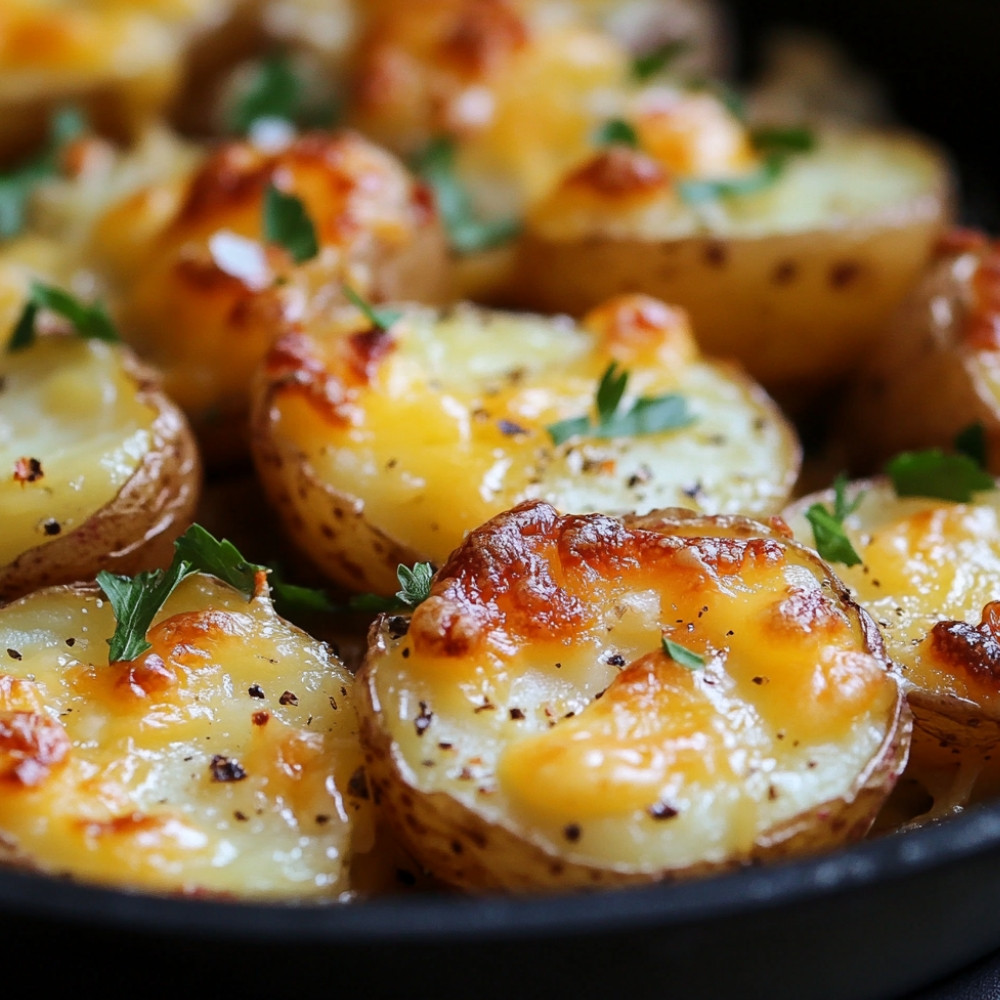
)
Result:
{"points": [[776, 141], [467, 233], [89, 321], [648, 414], [616, 132], [971, 441], [414, 589], [291, 599], [681, 654], [658, 59], [205, 553], [933, 473], [275, 90], [696, 191], [380, 319], [831, 539], [17, 185], [287, 223], [136, 601]]}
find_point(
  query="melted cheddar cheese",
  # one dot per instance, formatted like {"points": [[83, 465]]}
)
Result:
{"points": [[73, 430], [202, 294], [929, 574], [442, 422], [532, 687], [222, 761]]}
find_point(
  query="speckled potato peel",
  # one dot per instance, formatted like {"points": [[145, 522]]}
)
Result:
{"points": [[138, 511], [458, 701], [381, 447]]}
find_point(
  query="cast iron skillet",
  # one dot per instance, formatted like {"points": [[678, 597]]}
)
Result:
{"points": [[865, 923], [872, 921]]}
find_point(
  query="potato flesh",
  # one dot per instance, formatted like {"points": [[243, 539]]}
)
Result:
{"points": [[924, 561], [452, 430], [136, 800], [540, 727], [71, 405]]}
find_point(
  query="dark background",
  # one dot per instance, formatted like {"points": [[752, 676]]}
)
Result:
{"points": [[939, 60]]}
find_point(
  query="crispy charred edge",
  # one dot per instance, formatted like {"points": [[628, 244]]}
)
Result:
{"points": [[160, 498], [236, 175], [500, 578]]}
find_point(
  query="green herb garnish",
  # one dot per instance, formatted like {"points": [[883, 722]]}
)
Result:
{"points": [[659, 59], [971, 441], [616, 132], [695, 191], [88, 321], [681, 654], [276, 91], [136, 601], [17, 185], [831, 539], [647, 415], [414, 589], [380, 319], [933, 473], [467, 233], [775, 141], [287, 223], [291, 599]]}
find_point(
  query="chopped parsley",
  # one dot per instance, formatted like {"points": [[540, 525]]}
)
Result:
{"points": [[467, 233], [380, 319], [17, 185], [687, 658], [647, 415], [616, 132], [971, 441], [659, 59], [287, 223], [88, 321], [831, 539], [275, 90], [414, 589], [934, 473]]}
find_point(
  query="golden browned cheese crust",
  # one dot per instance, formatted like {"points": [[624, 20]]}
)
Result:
{"points": [[582, 700], [378, 447], [204, 295], [223, 761]]}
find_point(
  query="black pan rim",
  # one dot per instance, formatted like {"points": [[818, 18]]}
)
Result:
{"points": [[432, 916]]}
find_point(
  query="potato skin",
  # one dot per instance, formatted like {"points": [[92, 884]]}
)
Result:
{"points": [[939, 627], [509, 376], [933, 372], [798, 308], [469, 847], [136, 531]]}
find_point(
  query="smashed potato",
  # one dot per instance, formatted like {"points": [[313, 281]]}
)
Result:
{"points": [[223, 761], [930, 575], [379, 447], [100, 467], [584, 701]]}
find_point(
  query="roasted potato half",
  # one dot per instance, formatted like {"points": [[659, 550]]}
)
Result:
{"points": [[118, 61], [582, 700], [379, 447], [100, 468], [936, 368], [203, 294], [930, 577], [223, 761], [795, 278]]}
